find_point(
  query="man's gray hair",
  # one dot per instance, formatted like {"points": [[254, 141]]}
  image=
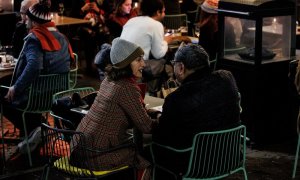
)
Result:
{"points": [[193, 56]]}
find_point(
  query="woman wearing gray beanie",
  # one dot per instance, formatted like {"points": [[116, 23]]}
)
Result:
{"points": [[118, 107]]}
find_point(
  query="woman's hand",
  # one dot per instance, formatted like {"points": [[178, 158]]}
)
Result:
{"points": [[154, 114]]}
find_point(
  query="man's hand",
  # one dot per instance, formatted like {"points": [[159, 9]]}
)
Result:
{"points": [[154, 114], [10, 94]]}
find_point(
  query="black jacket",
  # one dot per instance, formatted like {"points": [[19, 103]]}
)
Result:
{"points": [[205, 101]]}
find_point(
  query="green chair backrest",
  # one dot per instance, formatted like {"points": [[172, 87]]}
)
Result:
{"points": [[217, 154], [42, 90], [73, 72], [82, 91], [63, 122], [175, 21], [54, 146]]}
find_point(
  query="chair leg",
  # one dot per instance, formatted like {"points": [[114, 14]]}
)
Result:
{"points": [[296, 158], [45, 173], [245, 174], [26, 140], [2, 137]]}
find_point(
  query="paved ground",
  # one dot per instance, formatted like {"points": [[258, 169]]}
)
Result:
{"points": [[260, 165]]}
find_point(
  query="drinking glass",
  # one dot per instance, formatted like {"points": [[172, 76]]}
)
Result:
{"points": [[197, 31]]}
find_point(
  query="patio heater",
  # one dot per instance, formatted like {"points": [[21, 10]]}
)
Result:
{"points": [[259, 54]]}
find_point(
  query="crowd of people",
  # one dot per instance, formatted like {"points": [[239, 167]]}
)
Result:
{"points": [[128, 37]]}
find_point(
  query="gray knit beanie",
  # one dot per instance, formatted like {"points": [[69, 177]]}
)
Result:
{"points": [[124, 52]]}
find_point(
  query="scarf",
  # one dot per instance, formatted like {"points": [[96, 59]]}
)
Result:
{"points": [[133, 80], [47, 39]]}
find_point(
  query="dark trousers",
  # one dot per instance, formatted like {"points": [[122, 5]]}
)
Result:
{"points": [[10, 112], [15, 117]]}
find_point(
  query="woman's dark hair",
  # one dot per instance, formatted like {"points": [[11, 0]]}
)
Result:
{"points": [[114, 74], [117, 5], [150, 7]]}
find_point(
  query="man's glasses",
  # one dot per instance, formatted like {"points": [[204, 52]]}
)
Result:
{"points": [[173, 62]]}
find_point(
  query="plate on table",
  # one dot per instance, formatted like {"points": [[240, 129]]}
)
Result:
{"points": [[7, 66]]}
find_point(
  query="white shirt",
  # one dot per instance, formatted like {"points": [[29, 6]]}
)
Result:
{"points": [[146, 33]]}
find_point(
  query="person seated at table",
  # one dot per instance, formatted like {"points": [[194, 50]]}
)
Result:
{"points": [[122, 13], [147, 32], [45, 51], [209, 31], [204, 101], [21, 30], [102, 60], [118, 107], [95, 33]]}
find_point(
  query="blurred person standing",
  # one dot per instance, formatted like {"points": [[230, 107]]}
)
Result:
{"points": [[94, 34], [209, 31], [204, 101], [119, 106], [45, 51], [209, 27]]}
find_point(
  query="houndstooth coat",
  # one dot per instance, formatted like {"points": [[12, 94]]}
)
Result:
{"points": [[117, 108]]}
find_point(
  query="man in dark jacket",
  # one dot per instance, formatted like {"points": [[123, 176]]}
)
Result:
{"points": [[205, 101]]}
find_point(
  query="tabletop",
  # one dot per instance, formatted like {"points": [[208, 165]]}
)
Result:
{"points": [[152, 102], [64, 20], [6, 72]]}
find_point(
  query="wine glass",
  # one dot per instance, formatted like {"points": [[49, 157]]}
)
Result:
{"points": [[61, 9]]}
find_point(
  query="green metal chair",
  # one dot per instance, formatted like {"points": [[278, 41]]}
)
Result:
{"points": [[58, 153], [73, 72], [296, 158], [60, 121], [40, 99], [298, 144], [213, 155], [175, 21]]}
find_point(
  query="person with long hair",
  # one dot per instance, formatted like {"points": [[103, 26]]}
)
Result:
{"points": [[118, 107], [122, 13]]}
